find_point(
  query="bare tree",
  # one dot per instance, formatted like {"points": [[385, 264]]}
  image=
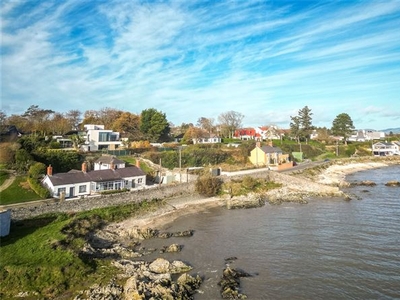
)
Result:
{"points": [[229, 122], [206, 124], [74, 118]]}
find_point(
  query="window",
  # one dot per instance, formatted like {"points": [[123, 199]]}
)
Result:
{"points": [[61, 190], [82, 189], [140, 180]]}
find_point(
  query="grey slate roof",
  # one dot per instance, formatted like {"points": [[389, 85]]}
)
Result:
{"points": [[106, 159], [269, 149], [95, 176]]}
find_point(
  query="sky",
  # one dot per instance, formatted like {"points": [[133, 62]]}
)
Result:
{"points": [[265, 59]]}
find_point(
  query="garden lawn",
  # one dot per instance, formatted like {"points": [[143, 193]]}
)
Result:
{"points": [[18, 192], [3, 176]]}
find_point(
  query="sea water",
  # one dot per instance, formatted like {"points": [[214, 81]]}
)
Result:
{"points": [[327, 249]]}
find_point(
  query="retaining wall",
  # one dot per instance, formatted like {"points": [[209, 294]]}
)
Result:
{"points": [[77, 205]]}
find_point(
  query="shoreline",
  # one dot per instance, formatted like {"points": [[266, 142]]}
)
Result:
{"points": [[334, 175]]}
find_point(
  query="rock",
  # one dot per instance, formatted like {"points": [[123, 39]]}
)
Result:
{"points": [[142, 233], [230, 259], [159, 266], [178, 266], [171, 248], [185, 233], [364, 183], [230, 284], [109, 292], [393, 183], [189, 283], [246, 201], [165, 235]]}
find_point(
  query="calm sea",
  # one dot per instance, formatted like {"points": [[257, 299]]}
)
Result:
{"points": [[327, 249]]}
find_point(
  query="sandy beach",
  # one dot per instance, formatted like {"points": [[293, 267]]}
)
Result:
{"points": [[176, 207], [336, 174]]}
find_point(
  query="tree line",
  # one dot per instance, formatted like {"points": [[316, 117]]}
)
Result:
{"points": [[150, 124], [153, 125]]}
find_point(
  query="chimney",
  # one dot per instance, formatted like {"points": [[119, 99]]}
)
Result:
{"points": [[112, 166], [84, 167], [49, 170], [258, 144], [270, 143], [138, 163]]}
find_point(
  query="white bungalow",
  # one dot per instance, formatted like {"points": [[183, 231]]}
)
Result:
{"points": [[77, 183]]}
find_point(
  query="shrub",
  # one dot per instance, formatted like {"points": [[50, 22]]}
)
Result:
{"points": [[250, 183], [208, 185], [38, 188], [37, 170]]}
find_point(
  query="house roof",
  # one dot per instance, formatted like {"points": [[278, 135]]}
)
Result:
{"points": [[107, 159], [95, 176], [271, 149]]}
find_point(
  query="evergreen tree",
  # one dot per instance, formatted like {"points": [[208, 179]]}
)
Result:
{"points": [[342, 125], [154, 125]]}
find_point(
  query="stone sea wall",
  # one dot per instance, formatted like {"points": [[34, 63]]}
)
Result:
{"points": [[77, 205]]}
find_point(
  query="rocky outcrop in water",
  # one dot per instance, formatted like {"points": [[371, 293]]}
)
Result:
{"points": [[230, 283], [363, 183], [393, 183], [171, 248], [246, 201], [148, 233]]}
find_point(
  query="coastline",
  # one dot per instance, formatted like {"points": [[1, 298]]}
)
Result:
{"points": [[334, 175]]}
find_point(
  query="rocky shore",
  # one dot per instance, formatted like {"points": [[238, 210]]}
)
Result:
{"points": [[163, 279]]}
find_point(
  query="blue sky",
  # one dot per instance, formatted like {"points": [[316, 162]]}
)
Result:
{"points": [[192, 59]]}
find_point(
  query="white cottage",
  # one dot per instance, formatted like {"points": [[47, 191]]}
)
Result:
{"points": [[77, 183]]}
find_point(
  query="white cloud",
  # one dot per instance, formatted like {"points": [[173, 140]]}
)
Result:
{"points": [[192, 60]]}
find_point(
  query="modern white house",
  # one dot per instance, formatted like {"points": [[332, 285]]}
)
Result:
{"points": [[386, 149], [78, 183], [95, 138], [98, 138]]}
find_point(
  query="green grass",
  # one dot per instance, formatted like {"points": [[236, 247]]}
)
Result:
{"points": [[132, 161], [3, 176], [18, 192], [42, 256]]}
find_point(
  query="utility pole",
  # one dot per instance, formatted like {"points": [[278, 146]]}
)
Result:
{"points": [[337, 148], [180, 164], [160, 175]]}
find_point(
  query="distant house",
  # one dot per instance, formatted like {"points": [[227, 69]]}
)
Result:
{"points": [[259, 133], [178, 138], [364, 135], [386, 149], [213, 139], [78, 183], [269, 155], [108, 162], [246, 134], [95, 138], [98, 138]]}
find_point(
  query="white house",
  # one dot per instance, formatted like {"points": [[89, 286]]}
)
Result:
{"points": [[98, 138], [95, 138], [363, 135], [386, 149], [77, 183], [108, 162], [213, 139]]}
